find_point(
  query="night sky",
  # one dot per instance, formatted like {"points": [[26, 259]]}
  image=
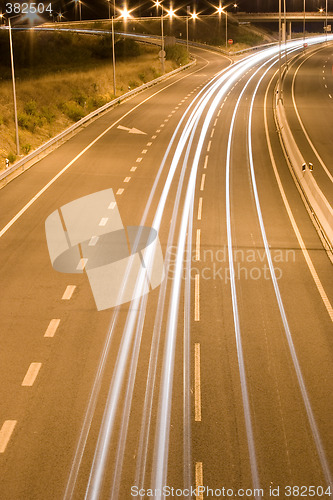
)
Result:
{"points": [[98, 8]]}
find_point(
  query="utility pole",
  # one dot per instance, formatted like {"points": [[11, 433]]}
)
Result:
{"points": [[14, 88]]}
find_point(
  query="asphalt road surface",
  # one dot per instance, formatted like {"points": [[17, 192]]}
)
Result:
{"points": [[220, 377], [309, 103]]}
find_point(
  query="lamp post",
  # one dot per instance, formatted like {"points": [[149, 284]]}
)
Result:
{"points": [[226, 27], [279, 86], [304, 21], [326, 21], [189, 16], [109, 6], [113, 56], [14, 87]]}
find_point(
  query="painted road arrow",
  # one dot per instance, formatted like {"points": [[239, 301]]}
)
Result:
{"points": [[131, 130]]}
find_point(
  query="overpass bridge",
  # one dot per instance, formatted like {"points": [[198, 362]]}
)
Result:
{"points": [[291, 17]]}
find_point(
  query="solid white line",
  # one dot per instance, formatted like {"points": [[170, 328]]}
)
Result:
{"points": [[103, 221], [198, 480], [82, 264], [51, 329], [206, 161], [127, 179], [202, 185], [197, 245], [5, 433], [31, 374], [200, 209], [68, 292], [300, 240], [328, 173], [197, 298], [197, 384], [93, 240], [120, 191]]}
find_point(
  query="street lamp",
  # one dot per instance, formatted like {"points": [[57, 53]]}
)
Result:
{"points": [[109, 6], [304, 20], [124, 14], [193, 16], [221, 10], [14, 87]]}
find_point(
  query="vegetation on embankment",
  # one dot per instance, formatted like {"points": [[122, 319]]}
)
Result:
{"points": [[61, 77]]}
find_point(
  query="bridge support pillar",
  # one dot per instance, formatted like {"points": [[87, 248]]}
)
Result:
{"points": [[283, 34]]}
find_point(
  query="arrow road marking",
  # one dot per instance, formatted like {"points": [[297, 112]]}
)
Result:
{"points": [[131, 130]]}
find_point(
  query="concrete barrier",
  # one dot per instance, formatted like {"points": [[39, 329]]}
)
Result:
{"points": [[318, 203]]}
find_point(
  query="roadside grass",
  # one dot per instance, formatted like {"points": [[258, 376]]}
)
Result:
{"points": [[48, 103]]}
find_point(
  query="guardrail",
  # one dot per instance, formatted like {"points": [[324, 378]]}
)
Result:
{"points": [[316, 200], [39, 152]]}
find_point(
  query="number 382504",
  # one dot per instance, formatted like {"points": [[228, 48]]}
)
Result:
{"points": [[28, 8]]}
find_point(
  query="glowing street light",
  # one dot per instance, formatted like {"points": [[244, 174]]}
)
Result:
{"points": [[125, 13]]}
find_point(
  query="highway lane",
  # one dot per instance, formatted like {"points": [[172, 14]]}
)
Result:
{"points": [[242, 397], [308, 93]]}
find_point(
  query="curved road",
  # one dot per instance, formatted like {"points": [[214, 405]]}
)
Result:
{"points": [[223, 375]]}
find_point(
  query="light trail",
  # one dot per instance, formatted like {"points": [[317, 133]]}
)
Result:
{"points": [[300, 379], [98, 468]]}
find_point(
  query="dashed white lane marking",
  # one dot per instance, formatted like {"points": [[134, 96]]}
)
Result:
{"points": [[209, 145], [133, 169], [325, 86], [144, 151], [197, 383], [112, 205], [206, 162], [149, 143], [200, 209], [138, 160], [197, 245], [170, 115], [31, 374], [68, 292], [127, 179], [162, 125], [219, 112], [330, 96], [153, 136], [5, 433], [197, 297], [120, 191], [177, 107], [82, 264], [212, 133], [158, 130], [166, 120], [202, 185], [173, 111], [198, 481], [52, 328], [103, 221], [93, 240], [215, 122]]}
